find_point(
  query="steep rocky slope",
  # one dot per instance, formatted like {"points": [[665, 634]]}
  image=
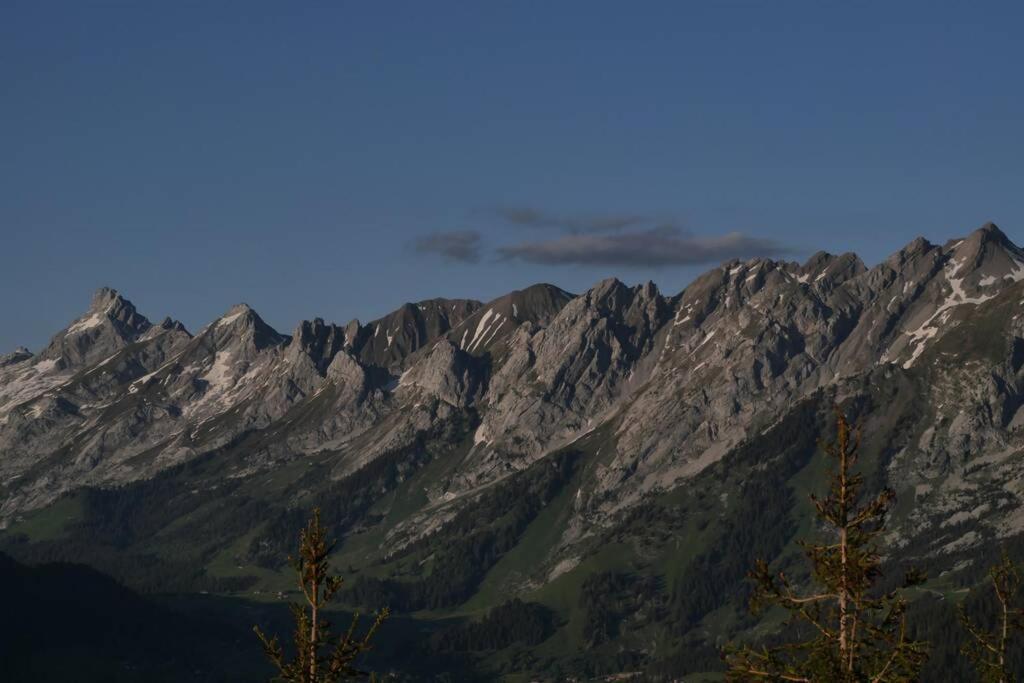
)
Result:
{"points": [[530, 433]]}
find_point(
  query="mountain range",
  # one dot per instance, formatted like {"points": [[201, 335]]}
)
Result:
{"points": [[617, 458]]}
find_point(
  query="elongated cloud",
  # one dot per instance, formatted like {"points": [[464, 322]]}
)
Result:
{"points": [[455, 245], [661, 246]]}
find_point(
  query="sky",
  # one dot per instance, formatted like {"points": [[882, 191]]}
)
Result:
{"points": [[338, 159]]}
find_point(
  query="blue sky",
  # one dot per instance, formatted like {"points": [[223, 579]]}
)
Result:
{"points": [[337, 159]]}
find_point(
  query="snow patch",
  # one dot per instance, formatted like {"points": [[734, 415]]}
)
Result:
{"points": [[963, 542], [228, 319], [219, 373], [481, 436], [928, 328], [45, 366], [562, 567], [143, 381], [1018, 273], [481, 329], [92, 321], [497, 326], [26, 383], [705, 340]]}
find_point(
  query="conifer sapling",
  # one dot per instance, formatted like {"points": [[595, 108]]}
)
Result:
{"points": [[987, 650], [320, 657], [845, 630]]}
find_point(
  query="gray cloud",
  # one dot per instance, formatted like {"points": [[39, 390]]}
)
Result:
{"points": [[660, 246], [536, 218], [455, 245]]}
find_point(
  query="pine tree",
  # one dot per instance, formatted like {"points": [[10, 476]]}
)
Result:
{"points": [[320, 657], [988, 650], [851, 632]]}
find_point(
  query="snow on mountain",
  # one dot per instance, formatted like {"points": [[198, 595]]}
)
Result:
{"points": [[671, 384]]}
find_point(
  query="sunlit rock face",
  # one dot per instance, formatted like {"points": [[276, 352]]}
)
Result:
{"points": [[668, 384]]}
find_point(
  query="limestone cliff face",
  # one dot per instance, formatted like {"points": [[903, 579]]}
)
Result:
{"points": [[673, 383]]}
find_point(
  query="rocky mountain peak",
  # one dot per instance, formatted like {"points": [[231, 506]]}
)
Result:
{"points": [[241, 324], [237, 311], [487, 330], [308, 328], [352, 332], [447, 373], [613, 419], [818, 261], [108, 302], [987, 237], [167, 327], [320, 341], [348, 376], [653, 390], [830, 268], [388, 341], [110, 324], [916, 248], [606, 289], [991, 231], [612, 297], [169, 323], [537, 303], [17, 356], [986, 256], [102, 297]]}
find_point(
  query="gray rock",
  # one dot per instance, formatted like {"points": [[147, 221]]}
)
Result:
{"points": [[932, 340]]}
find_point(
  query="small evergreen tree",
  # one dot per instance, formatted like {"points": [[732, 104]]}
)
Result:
{"points": [[320, 657], [853, 633], [988, 650]]}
